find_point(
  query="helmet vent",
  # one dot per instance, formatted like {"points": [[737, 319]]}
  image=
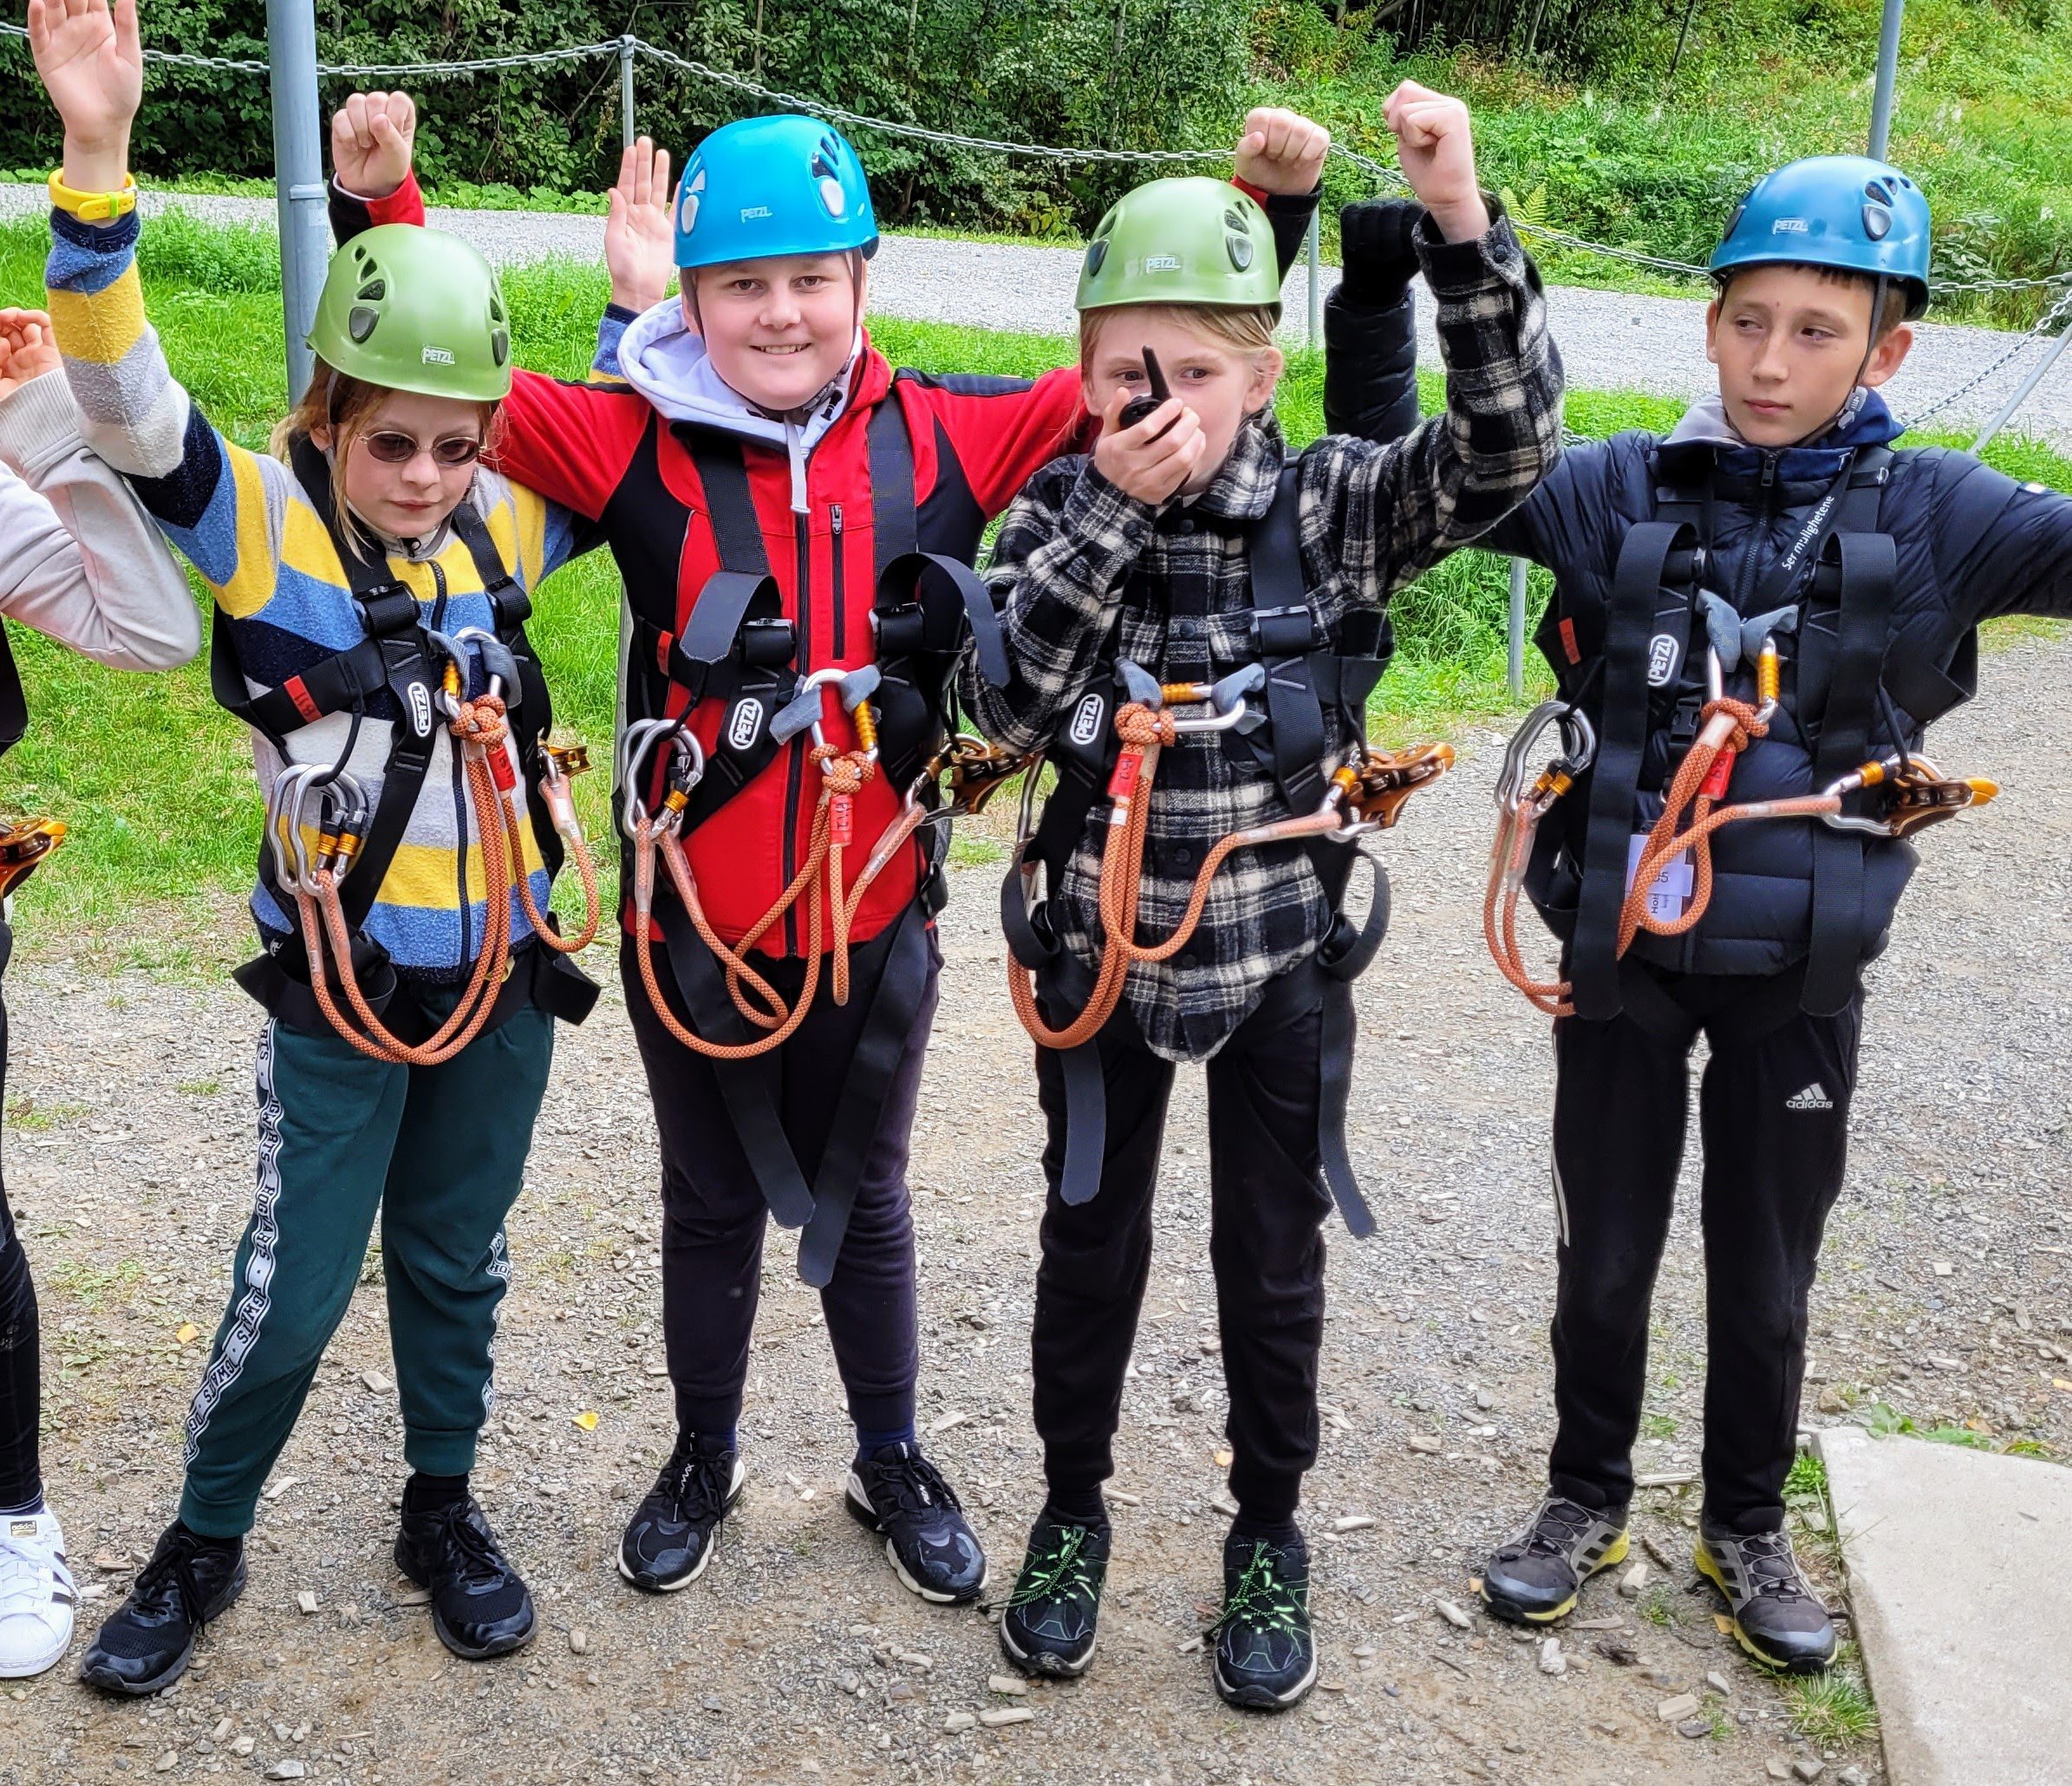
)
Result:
{"points": [[1877, 221], [1232, 222], [373, 291], [1734, 222], [1240, 248], [500, 346], [360, 323], [1097, 252], [1881, 191]]}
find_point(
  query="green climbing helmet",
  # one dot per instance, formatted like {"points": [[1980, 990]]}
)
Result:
{"points": [[415, 309], [1192, 240]]}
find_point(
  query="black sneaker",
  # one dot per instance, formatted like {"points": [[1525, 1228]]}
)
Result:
{"points": [[1534, 1579], [145, 1644], [479, 1606], [1266, 1654], [670, 1539], [1048, 1626], [933, 1552], [1778, 1618]]}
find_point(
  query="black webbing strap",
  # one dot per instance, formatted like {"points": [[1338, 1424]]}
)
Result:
{"points": [[1615, 777], [895, 1001], [1285, 632], [1063, 988], [751, 1086], [1870, 566], [1337, 1035], [14, 704]]}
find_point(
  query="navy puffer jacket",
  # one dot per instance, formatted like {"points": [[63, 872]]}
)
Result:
{"points": [[1973, 544]]}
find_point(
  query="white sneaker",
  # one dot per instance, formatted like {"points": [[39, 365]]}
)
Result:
{"points": [[36, 1595]]}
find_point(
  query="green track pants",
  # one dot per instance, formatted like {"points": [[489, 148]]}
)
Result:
{"points": [[440, 1151]]}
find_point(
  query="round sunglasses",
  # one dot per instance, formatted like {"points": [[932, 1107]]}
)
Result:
{"points": [[400, 449]]}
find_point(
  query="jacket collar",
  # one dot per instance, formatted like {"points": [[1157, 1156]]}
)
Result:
{"points": [[1243, 487], [1705, 438]]}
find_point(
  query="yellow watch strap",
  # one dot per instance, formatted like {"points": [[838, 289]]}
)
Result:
{"points": [[94, 207]]}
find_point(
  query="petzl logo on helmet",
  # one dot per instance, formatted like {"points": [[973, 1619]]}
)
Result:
{"points": [[439, 357], [1790, 226], [1086, 722], [1661, 659], [752, 211], [420, 709], [1161, 263], [747, 720]]}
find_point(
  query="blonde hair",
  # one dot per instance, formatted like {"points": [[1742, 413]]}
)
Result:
{"points": [[1243, 330], [346, 407]]}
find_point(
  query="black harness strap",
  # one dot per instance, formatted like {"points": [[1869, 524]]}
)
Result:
{"points": [[1869, 565], [14, 704], [1621, 750]]}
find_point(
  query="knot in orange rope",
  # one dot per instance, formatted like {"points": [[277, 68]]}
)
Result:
{"points": [[1141, 726], [481, 722], [1747, 726]]}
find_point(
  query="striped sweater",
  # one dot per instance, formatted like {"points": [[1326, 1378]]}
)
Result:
{"points": [[247, 526]]}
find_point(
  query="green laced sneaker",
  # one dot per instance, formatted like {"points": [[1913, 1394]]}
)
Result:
{"points": [[1266, 1654], [1048, 1627]]}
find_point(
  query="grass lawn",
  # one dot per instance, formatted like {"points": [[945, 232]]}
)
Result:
{"points": [[156, 781]]}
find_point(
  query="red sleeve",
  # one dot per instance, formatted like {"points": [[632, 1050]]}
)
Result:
{"points": [[1002, 430], [350, 213], [571, 443]]}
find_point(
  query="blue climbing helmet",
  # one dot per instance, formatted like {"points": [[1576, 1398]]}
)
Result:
{"points": [[763, 186], [1845, 212]]}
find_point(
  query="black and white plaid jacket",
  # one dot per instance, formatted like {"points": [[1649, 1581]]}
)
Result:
{"points": [[1087, 573]]}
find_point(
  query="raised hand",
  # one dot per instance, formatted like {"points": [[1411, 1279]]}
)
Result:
{"points": [[92, 66], [1281, 151], [640, 230], [1152, 460], [1437, 150], [28, 349], [373, 136]]}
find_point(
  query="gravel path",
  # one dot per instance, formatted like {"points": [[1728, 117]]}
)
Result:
{"points": [[1948, 1294], [1610, 341]]}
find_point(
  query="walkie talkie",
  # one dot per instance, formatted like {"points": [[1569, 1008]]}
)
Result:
{"points": [[1139, 407]]}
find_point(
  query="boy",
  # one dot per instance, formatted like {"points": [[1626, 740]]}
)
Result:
{"points": [[1868, 571], [784, 507], [1156, 549]]}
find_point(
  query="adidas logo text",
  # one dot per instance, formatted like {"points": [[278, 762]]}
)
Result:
{"points": [[1815, 1097]]}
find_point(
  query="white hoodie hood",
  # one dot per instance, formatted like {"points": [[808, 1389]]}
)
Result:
{"points": [[663, 358]]}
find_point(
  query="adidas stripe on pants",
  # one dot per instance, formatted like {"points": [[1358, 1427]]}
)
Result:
{"points": [[1773, 1118]]}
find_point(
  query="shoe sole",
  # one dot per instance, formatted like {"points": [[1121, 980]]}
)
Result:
{"points": [[867, 1517], [1516, 1614], [1256, 1698], [466, 1651], [1042, 1663], [705, 1556], [1801, 1666], [178, 1666], [42, 1663]]}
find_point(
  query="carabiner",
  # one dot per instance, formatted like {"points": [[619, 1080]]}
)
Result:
{"points": [[1578, 751], [499, 663], [687, 770]]}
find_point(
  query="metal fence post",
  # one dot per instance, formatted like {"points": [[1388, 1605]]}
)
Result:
{"points": [[626, 92], [298, 176], [1313, 248], [1888, 74], [1517, 630], [2021, 393]]}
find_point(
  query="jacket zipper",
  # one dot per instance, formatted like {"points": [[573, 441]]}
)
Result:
{"points": [[795, 775], [834, 519]]}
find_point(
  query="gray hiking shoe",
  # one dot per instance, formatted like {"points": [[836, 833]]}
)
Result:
{"points": [[1778, 1618], [1534, 1579]]}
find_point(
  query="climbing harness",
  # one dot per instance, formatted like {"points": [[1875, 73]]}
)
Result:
{"points": [[328, 847], [1364, 795], [1274, 716], [1849, 674]]}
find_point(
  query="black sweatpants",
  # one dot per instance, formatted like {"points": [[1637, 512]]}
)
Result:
{"points": [[1773, 1117], [20, 1338], [714, 1214], [1266, 1244]]}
